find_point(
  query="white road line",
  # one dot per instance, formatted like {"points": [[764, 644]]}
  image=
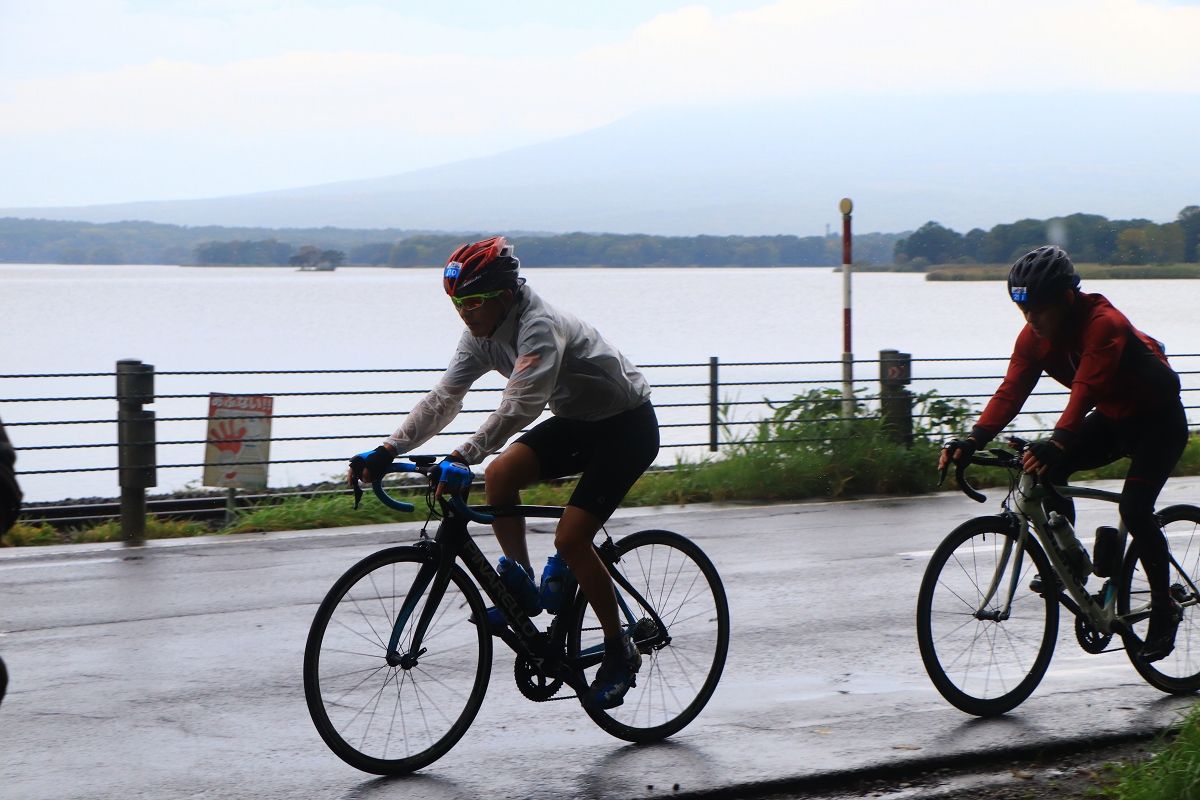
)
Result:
{"points": [[78, 563]]}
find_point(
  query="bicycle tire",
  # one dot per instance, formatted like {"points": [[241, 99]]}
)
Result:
{"points": [[947, 602], [364, 615], [684, 672], [1179, 672]]}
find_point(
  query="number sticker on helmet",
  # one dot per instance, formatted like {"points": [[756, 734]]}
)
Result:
{"points": [[1018, 294], [452, 269]]}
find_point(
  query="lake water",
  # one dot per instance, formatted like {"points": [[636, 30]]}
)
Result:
{"points": [[82, 319]]}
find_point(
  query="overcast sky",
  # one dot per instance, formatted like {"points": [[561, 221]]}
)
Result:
{"points": [[106, 101]]}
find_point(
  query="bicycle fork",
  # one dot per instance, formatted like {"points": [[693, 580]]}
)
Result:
{"points": [[437, 573], [1003, 613]]}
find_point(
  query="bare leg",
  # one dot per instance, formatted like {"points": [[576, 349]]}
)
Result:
{"points": [[504, 478], [573, 539]]}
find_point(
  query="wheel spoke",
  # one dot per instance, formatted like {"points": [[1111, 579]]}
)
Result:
{"points": [[674, 681], [983, 666], [431, 702]]}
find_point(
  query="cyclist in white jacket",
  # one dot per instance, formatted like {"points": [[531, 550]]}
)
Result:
{"points": [[604, 427]]}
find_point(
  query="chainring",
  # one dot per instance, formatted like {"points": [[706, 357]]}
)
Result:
{"points": [[1090, 639], [532, 683]]}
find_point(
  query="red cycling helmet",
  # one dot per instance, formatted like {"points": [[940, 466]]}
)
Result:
{"points": [[481, 267]]}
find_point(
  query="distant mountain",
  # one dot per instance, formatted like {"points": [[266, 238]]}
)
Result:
{"points": [[759, 169]]}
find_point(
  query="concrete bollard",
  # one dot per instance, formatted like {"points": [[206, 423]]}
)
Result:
{"points": [[136, 458], [895, 402]]}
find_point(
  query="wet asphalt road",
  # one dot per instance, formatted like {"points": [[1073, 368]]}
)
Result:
{"points": [[174, 670]]}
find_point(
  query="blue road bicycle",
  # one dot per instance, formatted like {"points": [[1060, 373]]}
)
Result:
{"points": [[395, 670]]}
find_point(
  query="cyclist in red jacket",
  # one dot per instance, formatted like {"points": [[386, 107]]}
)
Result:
{"points": [[1124, 403]]}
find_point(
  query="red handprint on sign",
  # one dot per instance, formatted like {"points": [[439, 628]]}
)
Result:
{"points": [[225, 438]]}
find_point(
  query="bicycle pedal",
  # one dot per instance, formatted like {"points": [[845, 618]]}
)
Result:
{"points": [[1039, 586]]}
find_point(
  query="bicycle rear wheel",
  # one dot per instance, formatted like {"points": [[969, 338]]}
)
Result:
{"points": [[1178, 673], [680, 670], [985, 666], [389, 720]]}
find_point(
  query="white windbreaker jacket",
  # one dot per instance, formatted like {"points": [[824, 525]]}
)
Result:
{"points": [[549, 357]]}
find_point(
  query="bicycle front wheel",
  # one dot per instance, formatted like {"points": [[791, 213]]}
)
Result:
{"points": [[1178, 673], [982, 664], [682, 664], [392, 719]]}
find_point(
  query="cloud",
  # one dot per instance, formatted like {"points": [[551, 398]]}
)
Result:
{"points": [[693, 55]]}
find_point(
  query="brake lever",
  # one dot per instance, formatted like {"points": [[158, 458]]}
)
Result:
{"points": [[946, 469], [1018, 444]]}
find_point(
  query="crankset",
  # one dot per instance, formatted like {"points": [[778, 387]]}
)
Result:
{"points": [[532, 683], [1090, 639]]}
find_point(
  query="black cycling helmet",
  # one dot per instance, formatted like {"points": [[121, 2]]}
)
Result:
{"points": [[1041, 276]]}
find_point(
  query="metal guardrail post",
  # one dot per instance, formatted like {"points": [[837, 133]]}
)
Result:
{"points": [[895, 402], [714, 392], [848, 402], [136, 458]]}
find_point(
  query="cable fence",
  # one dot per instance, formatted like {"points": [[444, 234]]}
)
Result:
{"points": [[85, 434]]}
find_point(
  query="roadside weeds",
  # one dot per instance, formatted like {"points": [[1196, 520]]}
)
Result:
{"points": [[804, 451]]}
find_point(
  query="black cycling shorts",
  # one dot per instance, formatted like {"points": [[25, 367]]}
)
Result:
{"points": [[1153, 441], [611, 454]]}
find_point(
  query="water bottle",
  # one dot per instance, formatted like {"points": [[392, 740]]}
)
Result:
{"points": [[1064, 535], [554, 579], [519, 585]]}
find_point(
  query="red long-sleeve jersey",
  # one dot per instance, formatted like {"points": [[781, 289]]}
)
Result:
{"points": [[1108, 365]]}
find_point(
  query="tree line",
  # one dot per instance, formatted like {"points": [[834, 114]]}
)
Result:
{"points": [[42, 241], [266, 253], [1089, 238], [638, 250]]}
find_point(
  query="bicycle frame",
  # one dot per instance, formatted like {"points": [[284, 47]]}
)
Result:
{"points": [[545, 650], [1029, 513]]}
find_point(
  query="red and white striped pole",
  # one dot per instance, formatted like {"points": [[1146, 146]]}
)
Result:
{"points": [[846, 207]]}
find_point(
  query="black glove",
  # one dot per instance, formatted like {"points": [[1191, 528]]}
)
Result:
{"points": [[378, 461], [1047, 452], [968, 446]]}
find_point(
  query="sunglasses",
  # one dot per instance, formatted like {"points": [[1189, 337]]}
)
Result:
{"points": [[474, 301]]}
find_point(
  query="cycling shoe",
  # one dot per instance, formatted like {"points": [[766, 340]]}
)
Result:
{"points": [[495, 621], [617, 674], [1160, 638]]}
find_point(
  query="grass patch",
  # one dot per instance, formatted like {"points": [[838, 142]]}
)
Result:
{"points": [[26, 535], [1172, 774], [1095, 272], [804, 450], [326, 511]]}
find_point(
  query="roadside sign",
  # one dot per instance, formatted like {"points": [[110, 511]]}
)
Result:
{"points": [[238, 441]]}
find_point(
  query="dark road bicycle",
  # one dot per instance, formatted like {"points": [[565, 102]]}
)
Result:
{"points": [[395, 670], [987, 612]]}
